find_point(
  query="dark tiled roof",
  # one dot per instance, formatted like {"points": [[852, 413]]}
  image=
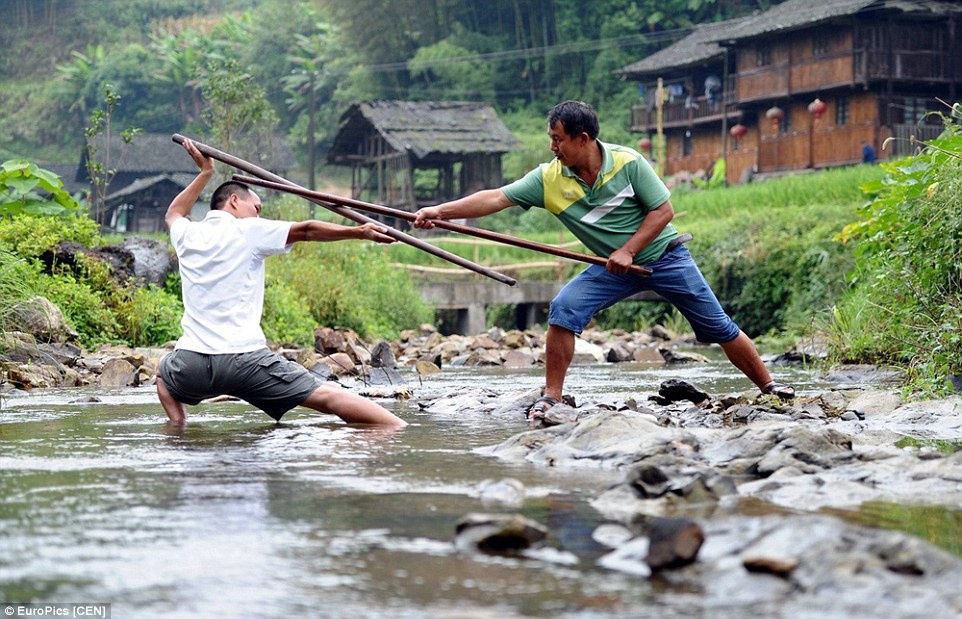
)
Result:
{"points": [[147, 153], [155, 153], [702, 45], [795, 14], [426, 127]]}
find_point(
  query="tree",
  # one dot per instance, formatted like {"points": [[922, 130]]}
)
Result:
{"points": [[238, 113], [445, 75], [99, 168], [308, 84]]}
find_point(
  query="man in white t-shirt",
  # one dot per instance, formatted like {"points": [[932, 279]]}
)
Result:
{"points": [[223, 350]]}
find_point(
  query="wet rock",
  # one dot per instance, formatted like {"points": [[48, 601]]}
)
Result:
{"points": [[619, 352], [152, 260], [30, 376], [612, 535], [609, 438], [647, 354], [483, 357], [118, 373], [328, 340], [423, 367], [674, 390], [628, 558], [587, 353], [673, 356], [382, 356], [648, 481], [517, 359], [558, 414], [498, 534], [864, 375], [673, 543], [75, 257], [41, 319], [508, 492], [378, 376], [340, 364]]}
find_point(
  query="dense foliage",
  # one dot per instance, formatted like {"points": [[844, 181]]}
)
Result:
{"points": [[313, 58], [906, 305]]}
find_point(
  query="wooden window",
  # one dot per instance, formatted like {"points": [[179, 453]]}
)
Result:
{"points": [[842, 111], [913, 110], [821, 44], [763, 56], [686, 146], [786, 124]]}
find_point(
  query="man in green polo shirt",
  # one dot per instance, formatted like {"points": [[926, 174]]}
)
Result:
{"points": [[614, 203]]}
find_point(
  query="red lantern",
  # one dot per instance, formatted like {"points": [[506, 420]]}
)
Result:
{"points": [[644, 144], [775, 114], [816, 108], [738, 131]]}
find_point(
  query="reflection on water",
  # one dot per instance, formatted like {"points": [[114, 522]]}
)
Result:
{"points": [[938, 524], [235, 516]]}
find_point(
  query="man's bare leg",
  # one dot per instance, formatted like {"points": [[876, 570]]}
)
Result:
{"points": [[350, 407], [176, 411], [742, 353], [559, 350]]}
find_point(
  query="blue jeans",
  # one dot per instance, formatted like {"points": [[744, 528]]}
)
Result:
{"points": [[675, 277]]}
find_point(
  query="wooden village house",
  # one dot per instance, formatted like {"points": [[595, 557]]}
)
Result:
{"points": [[803, 85], [148, 173], [409, 154]]}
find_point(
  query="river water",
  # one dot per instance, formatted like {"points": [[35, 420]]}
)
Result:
{"points": [[236, 516]]}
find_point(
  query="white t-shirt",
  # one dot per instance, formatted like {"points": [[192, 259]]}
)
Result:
{"points": [[222, 274]]}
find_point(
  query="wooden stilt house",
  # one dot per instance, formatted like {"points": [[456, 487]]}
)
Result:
{"points": [[409, 154], [802, 85]]}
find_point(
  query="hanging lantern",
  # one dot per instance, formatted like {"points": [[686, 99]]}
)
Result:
{"points": [[816, 108], [775, 114], [645, 144], [738, 131]]}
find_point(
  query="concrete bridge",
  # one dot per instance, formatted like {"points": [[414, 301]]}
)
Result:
{"points": [[470, 298]]}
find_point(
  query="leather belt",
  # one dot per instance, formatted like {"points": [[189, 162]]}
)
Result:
{"points": [[681, 239]]}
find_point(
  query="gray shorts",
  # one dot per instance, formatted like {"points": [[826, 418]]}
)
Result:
{"points": [[263, 378]]}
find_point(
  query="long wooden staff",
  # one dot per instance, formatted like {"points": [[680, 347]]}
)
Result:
{"points": [[286, 185], [320, 197]]}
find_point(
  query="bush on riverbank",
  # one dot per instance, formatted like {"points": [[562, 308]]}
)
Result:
{"points": [[906, 305], [337, 284]]}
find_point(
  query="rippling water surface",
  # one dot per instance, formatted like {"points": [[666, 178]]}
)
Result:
{"points": [[236, 516]]}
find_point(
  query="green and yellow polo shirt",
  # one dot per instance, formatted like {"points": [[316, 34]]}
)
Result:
{"points": [[604, 216]]}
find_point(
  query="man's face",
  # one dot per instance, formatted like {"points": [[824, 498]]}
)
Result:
{"points": [[244, 204], [566, 148]]}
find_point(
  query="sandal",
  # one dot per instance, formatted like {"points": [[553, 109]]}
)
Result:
{"points": [[783, 392], [540, 406]]}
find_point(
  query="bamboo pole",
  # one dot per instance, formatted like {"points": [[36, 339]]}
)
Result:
{"points": [[285, 185], [323, 198]]}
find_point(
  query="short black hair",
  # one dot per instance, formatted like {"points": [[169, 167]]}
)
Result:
{"points": [[576, 117], [223, 193]]}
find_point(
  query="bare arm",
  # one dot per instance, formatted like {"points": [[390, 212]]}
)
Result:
{"points": [[184, 202], [478, 204], [651, 226], [313, 230]]}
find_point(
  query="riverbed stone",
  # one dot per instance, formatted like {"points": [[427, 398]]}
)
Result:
{"points": [[673, 542], [118, 373], [498, 534], [39, 317]]}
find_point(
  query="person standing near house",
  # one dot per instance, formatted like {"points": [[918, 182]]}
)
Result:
{"points": [[223, 350], [868, 153], [611, 199]]}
